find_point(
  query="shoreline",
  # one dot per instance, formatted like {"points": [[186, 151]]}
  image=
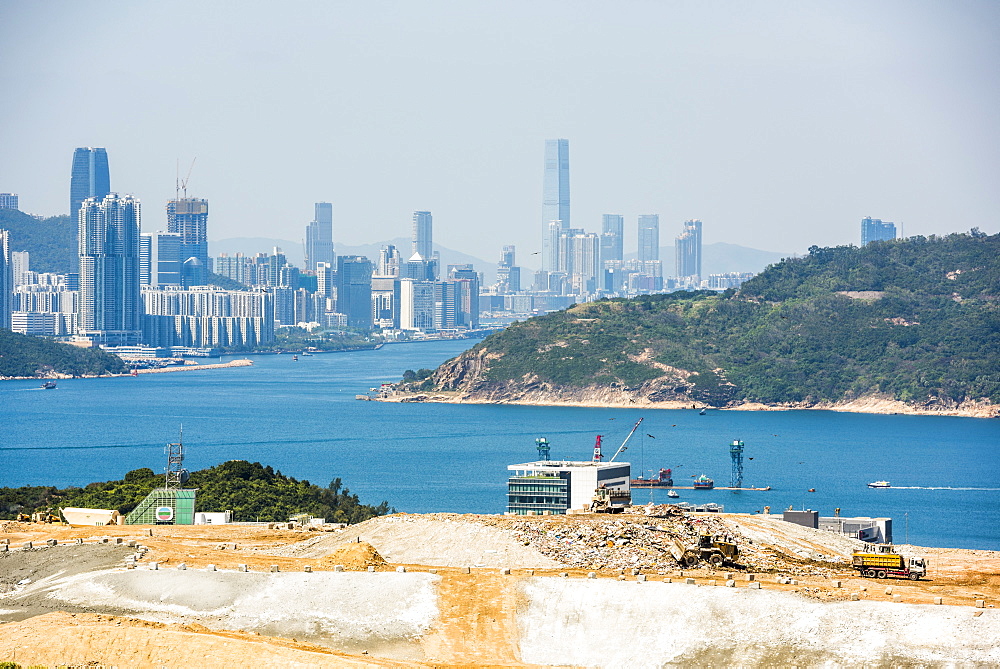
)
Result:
{"points": [[873, 406], [242, 362]]}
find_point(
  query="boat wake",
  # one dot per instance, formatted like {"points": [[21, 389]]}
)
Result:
{"points": [[923, 487]]}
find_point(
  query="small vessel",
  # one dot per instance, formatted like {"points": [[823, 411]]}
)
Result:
{"points": [[49, 385], [811, 490], [294, 358], [701, 413], [879, 484], [662, 480], [703, 483], [672, 493]]}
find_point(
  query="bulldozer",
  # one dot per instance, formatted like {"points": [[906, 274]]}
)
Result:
{"points": [[45, 517], [714, 549]]}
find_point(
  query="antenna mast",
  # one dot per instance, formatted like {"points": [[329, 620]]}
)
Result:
{"points": [[175, 463]]}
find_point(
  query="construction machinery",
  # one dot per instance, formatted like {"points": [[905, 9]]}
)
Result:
{"points": [[885, 561], [714, 549], [610, 500]]}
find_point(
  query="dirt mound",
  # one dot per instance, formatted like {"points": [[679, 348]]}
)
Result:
{"points": [[355, 556], [12, 526]]}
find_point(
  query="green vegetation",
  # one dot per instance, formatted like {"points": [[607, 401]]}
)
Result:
{"points": [[24, 355], [931, 333], [248, 489], [50, 241], [300, 339]]}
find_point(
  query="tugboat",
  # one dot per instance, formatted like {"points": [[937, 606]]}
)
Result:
{"points": [[703, 483], [879, 484], [49, 385], [662, 480]]}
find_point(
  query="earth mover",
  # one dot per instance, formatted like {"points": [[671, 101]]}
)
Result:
{"points": [[716, 550]]}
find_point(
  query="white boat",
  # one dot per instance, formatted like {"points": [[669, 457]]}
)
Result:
{"points": [[879, 484], [672, 493]]}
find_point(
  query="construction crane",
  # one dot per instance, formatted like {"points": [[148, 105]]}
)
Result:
{"points": [[182, 184], [598, 456], [622, 448]]}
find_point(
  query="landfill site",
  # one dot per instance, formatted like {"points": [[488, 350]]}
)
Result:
{"points": [[475, 590]]}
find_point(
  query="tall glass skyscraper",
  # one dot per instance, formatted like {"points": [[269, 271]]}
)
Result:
{"points": [[423, 242], [354, 290], [188, 217], [612, 233], [319, 236], [555, 197], [89, 178], [876, 230], [110, 302], [688, 250], [6, 280], [649, 237]]}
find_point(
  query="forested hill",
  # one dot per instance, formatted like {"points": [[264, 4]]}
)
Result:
{"points": [[24, 355], [914, 320], [50, 241]]}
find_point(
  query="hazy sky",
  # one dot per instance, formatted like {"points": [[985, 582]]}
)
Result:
{"points": [[778, 124]]}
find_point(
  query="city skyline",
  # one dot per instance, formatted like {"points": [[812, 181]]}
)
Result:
{"points": [[681, 111]]}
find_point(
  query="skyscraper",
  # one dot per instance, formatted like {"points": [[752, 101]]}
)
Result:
{"points": [[188, 217], [688, 250], [89, 178], [555, 196], [649, 237], [612, 234], [160, 260], [110, 303], [876, 230], [423, 242], [319, 236], [6, 280], [354, 290]]}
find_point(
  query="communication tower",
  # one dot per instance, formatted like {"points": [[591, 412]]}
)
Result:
{"points": [[176, 475], [543, 448], [736, 453]]}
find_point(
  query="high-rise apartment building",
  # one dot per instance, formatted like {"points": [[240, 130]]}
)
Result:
{"points": [[612, 236], [110, 302], [354, 290], [649, 237], [423, 242], [188, 217], [20, 262], [876, 230], [160, 259], [206, 316], [89, 178], [508, 273], [8, 201], [688, 251], [6, 280], [319, 236], [555, 196]]}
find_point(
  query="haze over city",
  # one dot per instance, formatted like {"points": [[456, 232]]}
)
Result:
{"points": [[780, 125]]}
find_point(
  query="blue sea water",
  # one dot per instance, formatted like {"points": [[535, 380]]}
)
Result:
{"points": [[302, 418]]}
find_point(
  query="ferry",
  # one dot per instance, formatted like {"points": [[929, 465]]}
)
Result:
{"points": [[879, 484]]}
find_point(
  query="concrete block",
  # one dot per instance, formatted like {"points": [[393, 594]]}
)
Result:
{"points": [[105, 540], [531, 572], [270, 526], [794, 582], [591, 574], [242, 567], [731, 583], [751, 577], [78, 541], [432, 571], [307, 569], [5, 541], [154, 566], [275, 569], [980, 603], [641, 578], [466, 570], [289, 526], [730, 577], [340, 567], [621, 577], [371, 569], [897, 598], [755, 585], [27, 545], [400, 570], [854, 597], [635, 572], [689, 581], [668, 580], [51, 542], [888, 591], [3, 548], [838, 584], [505, 572], [564, 574], [182, 566], [210, 567], [118, 541], [131, 544], [712, 582], [938, 600]]}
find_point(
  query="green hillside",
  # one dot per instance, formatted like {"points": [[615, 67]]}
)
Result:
{"points": [[250, 490], [921, 325], [50, 241], [24, 355]]}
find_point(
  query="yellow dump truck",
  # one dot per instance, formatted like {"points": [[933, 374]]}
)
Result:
{"points": [[885, 561]]}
